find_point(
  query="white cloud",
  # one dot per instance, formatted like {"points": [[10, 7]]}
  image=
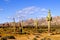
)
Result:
{"points": [[27, 10], [32, 11], [44, 10]]}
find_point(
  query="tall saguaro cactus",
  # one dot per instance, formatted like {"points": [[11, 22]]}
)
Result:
{"points": [[22, 25], [14, 25], [49, 19]]}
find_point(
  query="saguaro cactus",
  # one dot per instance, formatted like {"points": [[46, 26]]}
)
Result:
{"points": [[49, 19], [22, 25], [14, 25], [36, 24]]}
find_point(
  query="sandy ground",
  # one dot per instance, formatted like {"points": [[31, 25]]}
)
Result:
{"points": [[31, 36]]}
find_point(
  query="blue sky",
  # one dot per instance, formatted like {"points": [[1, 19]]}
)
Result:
{"points": [[27, 9]]}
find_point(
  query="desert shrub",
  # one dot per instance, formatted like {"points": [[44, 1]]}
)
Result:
{"points": [[48, 39], [52, 29], [52, 34], [37, 36], [7, 37], [11, 37], [23, 32], [0, 32], [45, 38], [34, 38], [0, 36], [4, 38], [40, 31], [42, 39]]}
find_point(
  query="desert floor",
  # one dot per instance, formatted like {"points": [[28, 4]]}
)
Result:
{"points": [[37, 36]]}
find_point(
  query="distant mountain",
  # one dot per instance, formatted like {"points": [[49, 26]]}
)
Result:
{"points": [[41, 21]]}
